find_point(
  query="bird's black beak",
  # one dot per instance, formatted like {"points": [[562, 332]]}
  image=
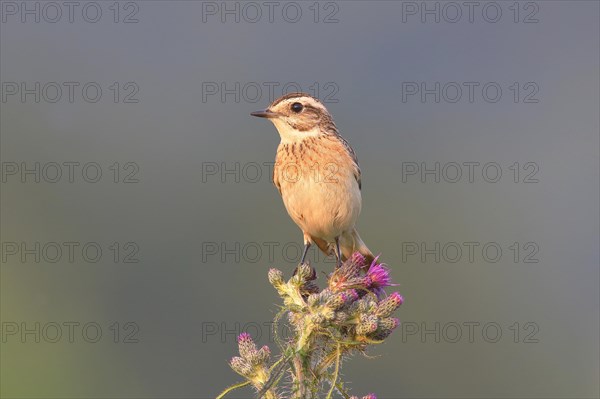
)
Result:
{"points": [[265, 113]]}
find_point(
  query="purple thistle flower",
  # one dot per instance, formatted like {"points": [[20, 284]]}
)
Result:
{"points": [[377, 278]]}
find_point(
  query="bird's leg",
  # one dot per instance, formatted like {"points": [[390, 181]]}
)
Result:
{"points": [[306, 246], [338, 253]]}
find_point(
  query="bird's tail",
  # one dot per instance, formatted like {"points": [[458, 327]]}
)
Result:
{"points": [[351, 242]]}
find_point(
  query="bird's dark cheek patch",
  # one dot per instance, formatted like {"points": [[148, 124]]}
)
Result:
{"points": [[303, 127], [306, 123]]}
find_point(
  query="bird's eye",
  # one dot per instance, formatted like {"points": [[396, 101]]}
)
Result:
{"points": [[297, 107]]}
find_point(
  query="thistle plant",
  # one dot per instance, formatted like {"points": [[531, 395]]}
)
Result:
{"points": [[327, 326]]}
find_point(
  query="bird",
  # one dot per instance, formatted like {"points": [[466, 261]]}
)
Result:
{"points": [[318, 176]]}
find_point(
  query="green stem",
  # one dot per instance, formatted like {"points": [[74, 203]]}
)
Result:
{"points": [[231, 388], [300, 377], [337, 371], [276, 372]]}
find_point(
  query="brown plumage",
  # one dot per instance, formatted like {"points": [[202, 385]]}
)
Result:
{"points": [[317, 173]]}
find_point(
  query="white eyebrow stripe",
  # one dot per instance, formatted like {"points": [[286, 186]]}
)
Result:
{"points": [[314, 103], [306, 100]]}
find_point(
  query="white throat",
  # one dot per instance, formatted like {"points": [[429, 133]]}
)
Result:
{"points": [[290, 135]]}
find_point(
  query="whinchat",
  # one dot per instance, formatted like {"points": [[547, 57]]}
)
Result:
{"points": [[318, 176]]}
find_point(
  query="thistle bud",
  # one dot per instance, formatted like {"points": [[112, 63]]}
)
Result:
{"points": [[358, 259], [296, 320], [276, 277], [365, 305], [240, 366], [352, 295], [368, 324], [380, 335], [325, 294], [317, 318], [328, 313], [344, 277], [313, 299], [388, 323], [359, 307], [263, 354], [387, 306], [305, 272], [247, 346], [341, 317], [338, 300]]}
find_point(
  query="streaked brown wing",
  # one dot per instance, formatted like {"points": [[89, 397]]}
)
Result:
{"points": [[357, 174], [276, 178]]}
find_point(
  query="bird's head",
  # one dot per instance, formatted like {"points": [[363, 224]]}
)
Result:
{"points": [[297, 116]]}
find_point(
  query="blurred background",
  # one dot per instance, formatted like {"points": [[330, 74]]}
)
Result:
{"points": [[139, 219]]}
